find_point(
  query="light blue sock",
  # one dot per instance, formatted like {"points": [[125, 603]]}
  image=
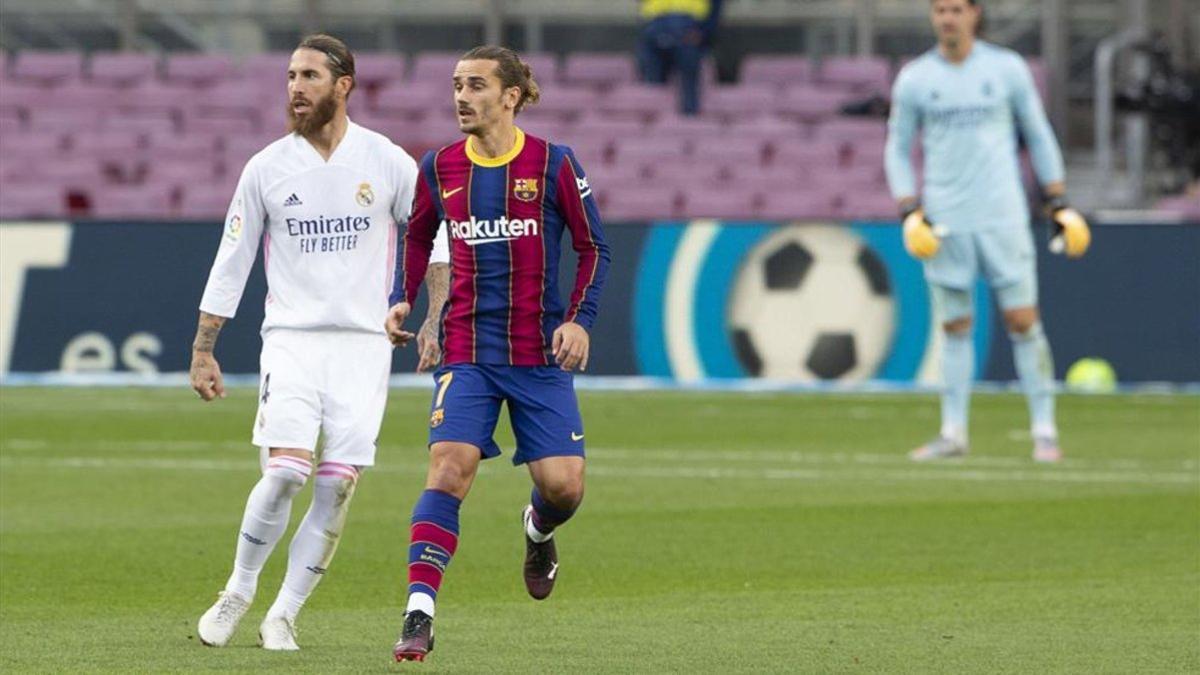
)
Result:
{"points": [[1035, 369], [958, 364]]}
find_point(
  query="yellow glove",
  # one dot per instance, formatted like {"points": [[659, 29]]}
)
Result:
{"points": [[1071, 232], [919, 238]]}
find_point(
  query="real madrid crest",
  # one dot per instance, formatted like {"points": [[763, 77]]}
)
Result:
{"points": [[364, 196], [525, 189]]}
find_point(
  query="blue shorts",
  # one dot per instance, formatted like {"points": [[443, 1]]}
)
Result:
{"points": [[541, 406], [1004, 256]]}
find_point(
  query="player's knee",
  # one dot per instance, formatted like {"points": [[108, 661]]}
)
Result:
{"points": [[337, 482], [452, 469], [1021, 320], [958, 326], [286, 474], [566, 495]]}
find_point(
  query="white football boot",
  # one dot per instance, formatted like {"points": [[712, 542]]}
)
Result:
{"points": [[939, 448], [221, 620], [278, 633]]}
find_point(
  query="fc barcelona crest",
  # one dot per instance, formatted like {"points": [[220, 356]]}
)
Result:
{"points": [[525, 189], [435, 420]]}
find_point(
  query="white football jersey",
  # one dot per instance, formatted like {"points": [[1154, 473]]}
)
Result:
{"points": [[328, 231]]}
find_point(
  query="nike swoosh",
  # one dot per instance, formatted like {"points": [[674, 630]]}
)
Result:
{"points": [[553, 571], [576, 437], [446, 194]]}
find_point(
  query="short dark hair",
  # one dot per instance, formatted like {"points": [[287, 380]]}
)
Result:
{"points": [[338, 56], [512, 71]]}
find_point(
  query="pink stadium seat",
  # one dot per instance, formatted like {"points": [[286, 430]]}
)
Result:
{"points": [[686, 128], [813, 103], [132, 201], [727, 150], [220, 124], [197, 68], [852, 130], [32, 143], [869, 74], [544, 127], [1184, 206], [78, 174], [601, 127], [867, 205], [767, 178], [544, 66], [105, 144], [46, 67], [206, 201], [735, 202], [867, 153], [121, 68], [637, 100], [65, 119], [33, 201], [267, 69], [594, 68], [415, 99], [649, 150], [737, 100], [19, 96], [567, 101], [156, 96], [172, 146], [238, 147], [787, 205], [775, 69], [434, 67], [82, 94], [1037, 69], [182, 172], [376, 69], [644, 202], [150, 122], [810, 155], [10, 124], [687, 176]]}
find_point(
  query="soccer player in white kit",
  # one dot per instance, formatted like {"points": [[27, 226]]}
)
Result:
{"points": [[968, 97], [326, 202]]}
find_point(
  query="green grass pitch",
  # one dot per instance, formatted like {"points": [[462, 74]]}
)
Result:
{"points": [[720, 533]]}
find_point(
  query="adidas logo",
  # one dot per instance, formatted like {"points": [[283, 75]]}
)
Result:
{"points": [[292, 201]]}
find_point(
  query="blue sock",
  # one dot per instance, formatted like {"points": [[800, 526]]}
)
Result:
{"points": [[1035, 369], [547, 516], [433, 540], [958, 364]]}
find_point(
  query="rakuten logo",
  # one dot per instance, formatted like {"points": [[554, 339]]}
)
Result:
{"points": [[475, 231]]}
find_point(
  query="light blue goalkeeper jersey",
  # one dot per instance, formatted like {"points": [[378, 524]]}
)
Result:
{"points": [[966, 114]]}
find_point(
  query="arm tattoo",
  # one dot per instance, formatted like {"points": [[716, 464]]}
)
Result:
{"points": [[437, 281], [206, 332]]}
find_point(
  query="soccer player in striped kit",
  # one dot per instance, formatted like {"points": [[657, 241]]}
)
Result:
{"points": [[507, 336], [325, 202]]}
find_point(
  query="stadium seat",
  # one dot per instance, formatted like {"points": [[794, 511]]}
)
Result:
{"points": [[544, 66], [602, 127], [736, 100], [775, 69], [266, 69], [65, 119], [172, 146], [813, 103], [767, 178], [1186, 207], [10, 123], [636, 100], [852, 130], [687, 176], [866, 74], [810, 155], [121, 69], [148, 122], [33, 144], [637, 202], [104, 144], [21, 96], [567, 100], [765, 130], [727, 150], [377, 69], [799, 204], [47, 67], [435, 67], [735, 202], [131, 201], [867, 205], [684, 128], [192, 69], [598, 68], [414, 99], [644, 152], [82, 94], [206, 201], [180, 173], [33, 201], [153, 95]]}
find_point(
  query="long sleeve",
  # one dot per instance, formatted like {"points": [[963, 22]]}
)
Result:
{"points": [[1035, 128], [244, 223], [419, 240], [902, 129], [582, 216]]}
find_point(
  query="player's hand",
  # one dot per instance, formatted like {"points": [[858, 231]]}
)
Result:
{"points": [[427, 345], [1071, 232], [395, 320], [570, 345], [206, 376], [919, 238]]}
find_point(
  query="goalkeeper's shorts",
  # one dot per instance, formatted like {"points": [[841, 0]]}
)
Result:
{"points": [[1004, 256]]}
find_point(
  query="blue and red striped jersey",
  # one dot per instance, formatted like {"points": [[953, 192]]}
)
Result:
{"points": [[506, 217]]}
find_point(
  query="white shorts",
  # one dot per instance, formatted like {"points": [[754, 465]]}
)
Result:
{"points": [[1004, 256], [323, 382]]}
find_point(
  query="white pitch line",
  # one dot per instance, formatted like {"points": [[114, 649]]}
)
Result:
{"points": [[877, 475]]}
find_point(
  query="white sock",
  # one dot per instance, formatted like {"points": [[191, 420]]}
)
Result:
{"points": [[535, 534], [420, 602], [265, 520], [316, 539]]}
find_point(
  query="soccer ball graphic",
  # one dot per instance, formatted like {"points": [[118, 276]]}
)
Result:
{"points": [[811, 303]]}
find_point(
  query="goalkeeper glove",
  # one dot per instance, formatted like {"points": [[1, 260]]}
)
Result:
{"points": [[919, 237], [1071, 232]]}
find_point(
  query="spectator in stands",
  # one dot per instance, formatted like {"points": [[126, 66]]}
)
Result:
{"points": [[675, 36]]}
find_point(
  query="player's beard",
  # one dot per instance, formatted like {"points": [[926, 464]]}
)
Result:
{"points": [[319, 114]]}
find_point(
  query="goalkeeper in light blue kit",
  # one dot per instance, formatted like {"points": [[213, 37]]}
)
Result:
{"points": [[968, 98]]}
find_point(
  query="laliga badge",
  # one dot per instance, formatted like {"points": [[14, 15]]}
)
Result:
{"points": [[364, 196], [436, 419], [233, 231]]}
